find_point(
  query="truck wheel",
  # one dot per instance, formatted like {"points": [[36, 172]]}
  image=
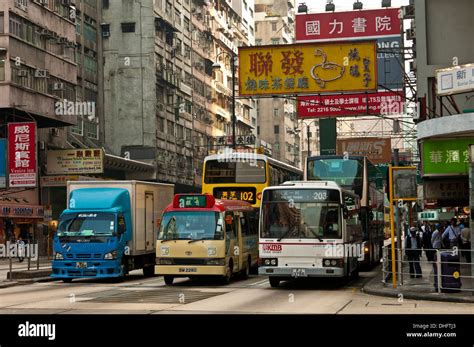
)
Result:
{"points": [[274, 281], [67, 280], [228, 275], [169, 280], [149, 271]]}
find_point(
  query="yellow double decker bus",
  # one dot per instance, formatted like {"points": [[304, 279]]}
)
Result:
{"points": [[243, 176]]}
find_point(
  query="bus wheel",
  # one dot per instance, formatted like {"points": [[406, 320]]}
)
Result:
{"points": [[67, 280], [228, 275], [274, 281], [169, 280]]}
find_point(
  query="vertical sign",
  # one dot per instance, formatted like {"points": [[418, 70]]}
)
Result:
{"points": [[3, 163], [22, 154]]}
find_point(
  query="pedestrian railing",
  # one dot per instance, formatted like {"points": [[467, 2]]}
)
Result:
{"points": [[438, 270]]}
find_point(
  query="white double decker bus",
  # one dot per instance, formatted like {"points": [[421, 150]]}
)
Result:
{"points": [[309, 229]]}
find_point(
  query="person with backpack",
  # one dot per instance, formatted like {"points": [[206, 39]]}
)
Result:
{"points": [[451, 236], [413, 244]]}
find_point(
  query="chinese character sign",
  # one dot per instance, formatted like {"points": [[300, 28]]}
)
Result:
{"points": [[446, 157], [307, 68], [75, 161], [459, 79], [350, 24], [22, 154]]}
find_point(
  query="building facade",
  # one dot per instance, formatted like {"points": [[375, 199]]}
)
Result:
{"points": [[277, 122]]}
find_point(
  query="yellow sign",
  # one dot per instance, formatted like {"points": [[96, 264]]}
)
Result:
{"points": [[308, 68], [75, 161]]}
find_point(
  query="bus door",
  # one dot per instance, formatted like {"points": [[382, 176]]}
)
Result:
{"points": [[233, 240]]}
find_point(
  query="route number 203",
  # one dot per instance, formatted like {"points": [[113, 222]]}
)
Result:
{"points": [[320, 195]]}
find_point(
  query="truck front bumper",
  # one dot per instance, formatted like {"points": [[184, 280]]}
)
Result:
{"points": [[86, 269]]}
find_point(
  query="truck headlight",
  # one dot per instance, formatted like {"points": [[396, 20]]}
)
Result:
{"points": [[111, 255], [216, 262], [58, 256]]}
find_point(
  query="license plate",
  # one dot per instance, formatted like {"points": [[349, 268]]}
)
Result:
{"points": [[187, 269], [81, 265], [298, 273]]}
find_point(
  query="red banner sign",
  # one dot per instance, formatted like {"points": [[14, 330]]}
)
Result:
{"points": [[352, 24], [22, 154], [350, 104]]}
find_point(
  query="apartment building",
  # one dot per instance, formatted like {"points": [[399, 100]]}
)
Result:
{"points": [[277, 122]]}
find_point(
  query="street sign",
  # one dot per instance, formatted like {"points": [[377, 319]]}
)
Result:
{"points": [[243, 140], [404, 183]]}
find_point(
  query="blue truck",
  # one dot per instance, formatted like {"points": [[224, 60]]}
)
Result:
{"points": [[108, 229]]}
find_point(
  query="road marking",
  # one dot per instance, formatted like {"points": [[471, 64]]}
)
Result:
{"points": [[343, 307]]}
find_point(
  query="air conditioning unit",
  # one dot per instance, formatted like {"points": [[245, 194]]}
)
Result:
{"points": [[58, 86]]}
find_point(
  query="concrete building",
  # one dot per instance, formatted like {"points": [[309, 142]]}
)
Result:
{"points": [[274, 24], [37, 69], [163, 101]]}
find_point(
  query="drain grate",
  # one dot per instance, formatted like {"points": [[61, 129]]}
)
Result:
{"points": [[161, 296]]}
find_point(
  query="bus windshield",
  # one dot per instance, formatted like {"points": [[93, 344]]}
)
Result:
{"points": [[191, 226], [347, 173], [304, 220], [252, 171], [86, 224]]}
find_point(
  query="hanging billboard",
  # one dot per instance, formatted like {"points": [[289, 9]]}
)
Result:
{"points": [[75, 161], [22, 154], [378, 150], [307, 68]]}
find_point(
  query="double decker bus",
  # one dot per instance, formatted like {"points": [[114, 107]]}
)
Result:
{"points": [[358, 175], [309, 229], [200, 236], [243, 176]]}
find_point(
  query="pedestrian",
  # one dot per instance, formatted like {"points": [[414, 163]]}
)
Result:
{"points": [[427, 246], [20, 246], [466, 242], [436, 237], [413, 245], [451, 235]]}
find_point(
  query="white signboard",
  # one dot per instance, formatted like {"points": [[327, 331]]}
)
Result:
{"points": [[459, 79]]}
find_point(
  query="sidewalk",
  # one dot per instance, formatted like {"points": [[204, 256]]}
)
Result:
{"points": [[20, 272], [420, 288]]}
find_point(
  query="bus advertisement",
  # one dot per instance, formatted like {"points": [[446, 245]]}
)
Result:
{"points": [[201, 236], [358, 175], [309, 229]]}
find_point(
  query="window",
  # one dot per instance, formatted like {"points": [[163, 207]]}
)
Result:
{"points": [[274, 26], [258, 42], [105, 4], [276, 112], [161, 124], [92, 130], [2, 66], [276, 146], [275, 41], [2, 22], [256, 27], [170, 128], [78, 129], [128, 27], [258, 130], [277, 129]]}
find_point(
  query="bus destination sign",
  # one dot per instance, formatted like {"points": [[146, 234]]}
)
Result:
{"points": [[192, 201], [303, 195]]}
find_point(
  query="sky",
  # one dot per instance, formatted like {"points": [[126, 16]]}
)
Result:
{"points": [[346, 5]]}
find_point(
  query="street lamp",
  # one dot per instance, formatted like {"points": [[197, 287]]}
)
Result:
{"points": [[217, 66]]}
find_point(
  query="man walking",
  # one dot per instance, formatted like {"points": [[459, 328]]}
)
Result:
{"points": [[413, 246]]}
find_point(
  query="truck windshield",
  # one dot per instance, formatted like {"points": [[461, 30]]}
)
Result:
{"points": [[301, 220], [87, 224], [191, 226]]}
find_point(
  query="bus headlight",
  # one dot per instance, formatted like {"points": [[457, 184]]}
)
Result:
{"points": [[111, 255], [58, 256], [333, 262], [269, 262], [216, 262], [164, 261]]}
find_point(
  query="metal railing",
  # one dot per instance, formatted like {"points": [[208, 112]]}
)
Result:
{"points": [[428, 270]]}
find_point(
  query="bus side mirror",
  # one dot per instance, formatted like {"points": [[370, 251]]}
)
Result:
{"points": [[345, 212], [121, 229]]}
